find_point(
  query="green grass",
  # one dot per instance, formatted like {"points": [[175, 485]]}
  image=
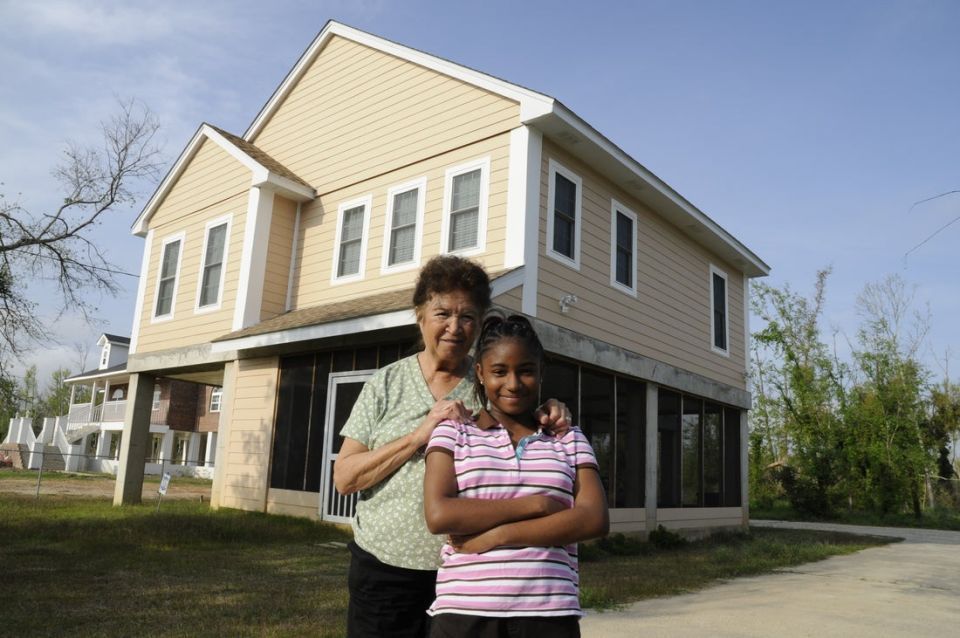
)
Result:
{"points": [[66, 477], [940, 518], [82, 567]]}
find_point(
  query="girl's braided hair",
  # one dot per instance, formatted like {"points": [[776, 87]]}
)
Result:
{"points": [[497, 327]]}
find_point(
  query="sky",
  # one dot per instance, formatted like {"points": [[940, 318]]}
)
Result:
{"points": [[808, 129]]}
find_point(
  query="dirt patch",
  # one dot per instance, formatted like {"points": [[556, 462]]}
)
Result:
{"points": [[96, 485]]}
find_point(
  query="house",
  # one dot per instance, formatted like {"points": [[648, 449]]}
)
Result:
{"points": [[184, 418], [279, 265]]}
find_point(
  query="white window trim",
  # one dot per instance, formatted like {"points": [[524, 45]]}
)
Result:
{"points": [[484, 165], [182, 238], [105, 356], [554, 167], [213, 223], [366, 201], [217, 392], [726, 302], [617, 207], [420, 185]]}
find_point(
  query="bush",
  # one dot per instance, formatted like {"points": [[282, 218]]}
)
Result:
{"points": [[662, 538]]}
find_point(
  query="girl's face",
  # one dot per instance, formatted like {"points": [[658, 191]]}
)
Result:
{"points": [[510, 375]]}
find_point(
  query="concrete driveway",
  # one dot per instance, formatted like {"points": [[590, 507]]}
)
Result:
{"points": [[910, 588]]}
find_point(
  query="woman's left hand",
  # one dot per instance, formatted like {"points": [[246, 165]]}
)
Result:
{"points": [[555, 417]]}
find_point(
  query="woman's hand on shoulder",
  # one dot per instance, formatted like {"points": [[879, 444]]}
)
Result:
{"points": [[554, 416], [442, 410]]}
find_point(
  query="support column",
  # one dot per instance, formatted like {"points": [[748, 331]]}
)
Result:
{"points": [[230, 371], [744, 461], [103, 446], [211, 455], [134, 440], [652, 461], [193, 449]]}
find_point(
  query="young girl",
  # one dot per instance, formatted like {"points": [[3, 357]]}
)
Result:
{"points": [[501, 575]]}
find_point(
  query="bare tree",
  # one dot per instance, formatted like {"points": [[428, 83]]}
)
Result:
{"points": [[56, 246]]}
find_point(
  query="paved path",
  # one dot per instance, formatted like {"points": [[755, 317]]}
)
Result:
{"points": [[902, 589]]}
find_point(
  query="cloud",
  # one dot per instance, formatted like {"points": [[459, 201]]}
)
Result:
{"points": [[101, 22]]}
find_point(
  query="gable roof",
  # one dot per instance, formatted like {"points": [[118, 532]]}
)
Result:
{"points": [[123, 341], [548, 115], [264, 171]]}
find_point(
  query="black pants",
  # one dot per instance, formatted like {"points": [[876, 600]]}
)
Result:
{"points": [[463, 626], [387, 601]]}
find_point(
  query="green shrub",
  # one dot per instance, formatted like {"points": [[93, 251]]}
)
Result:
{"points": [[662, 538]]}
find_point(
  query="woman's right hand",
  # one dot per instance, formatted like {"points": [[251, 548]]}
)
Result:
{"points": [[442, 410]]}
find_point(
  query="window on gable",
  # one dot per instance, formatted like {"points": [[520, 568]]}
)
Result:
{"points": [[156, 399], [404, 217], [465, 214], [623, 251], [216, 397], [211, 278], [351, 240], [105, 356], [718, 306], [563, 215], [167, 284]]}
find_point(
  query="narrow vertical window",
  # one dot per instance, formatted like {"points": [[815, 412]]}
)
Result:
{"points": [[212, 269], [167, 282], [215, 399], [623, 248], [156, 399], [718, 310], [563, 215], [464, 221], [351, 240], [404, 219]]}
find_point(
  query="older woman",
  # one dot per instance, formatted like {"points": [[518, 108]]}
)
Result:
{"points": [[394, 556]]}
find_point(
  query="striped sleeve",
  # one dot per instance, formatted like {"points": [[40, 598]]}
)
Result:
{"points": [[582, 452], [444, 437]]}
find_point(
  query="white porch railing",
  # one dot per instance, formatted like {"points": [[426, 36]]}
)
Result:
{"points": [[105, 412]]}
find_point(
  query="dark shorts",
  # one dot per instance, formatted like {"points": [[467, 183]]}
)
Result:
{"points": [[463, 626], [387, 601]]}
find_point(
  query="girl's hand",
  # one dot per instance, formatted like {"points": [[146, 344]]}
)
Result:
{"points": [[475, 543], [555, 417]]}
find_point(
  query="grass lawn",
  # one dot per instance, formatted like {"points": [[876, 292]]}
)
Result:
{"points": [[82, 567], [940, 518]]}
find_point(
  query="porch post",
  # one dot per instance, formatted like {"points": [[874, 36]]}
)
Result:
{"points": [[230, 370], [134, 440], [744, 473], [652, 461], [106, 397], [93, 401], [73, 393]]}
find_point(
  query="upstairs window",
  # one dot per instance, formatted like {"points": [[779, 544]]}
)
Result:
{"points": [[216, 397], [167, 281], [353, 219], [404, 221], [212, 270], [563, 215], [156, 399], [719, 326], [104, 356], [623, 248], [465, 207]]}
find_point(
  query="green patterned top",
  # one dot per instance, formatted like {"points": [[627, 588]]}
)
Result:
{"points": [[388, 521]]}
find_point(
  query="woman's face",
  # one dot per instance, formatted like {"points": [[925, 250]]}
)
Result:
{"points": [[448, 325]]}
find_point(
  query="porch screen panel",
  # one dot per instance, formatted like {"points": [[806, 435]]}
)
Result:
{"points": [[712, 454], [668, 449], [561, 382], [596, 421], [630, 443], [313, 473], [691, 476], [731, 457], [291, 432]]}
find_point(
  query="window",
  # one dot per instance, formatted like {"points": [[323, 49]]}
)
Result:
{"points": [[104, 356], [623, 248], [212, 269], [215, 399], [156, 399], [563, 215], [719, 328], [404, 221], [353, 220], [465, 208], [167, 281]]}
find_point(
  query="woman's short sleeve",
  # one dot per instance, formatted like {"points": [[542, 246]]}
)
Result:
{"points": [[366, 412]]}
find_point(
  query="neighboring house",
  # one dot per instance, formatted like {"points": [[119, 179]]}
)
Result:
{"points": [[280, 266], [184, 418]]}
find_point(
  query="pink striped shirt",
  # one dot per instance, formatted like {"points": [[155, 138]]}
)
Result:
{"points": [[511, 581]]}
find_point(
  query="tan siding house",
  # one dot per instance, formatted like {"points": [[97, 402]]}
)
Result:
{"points": [[637, 295]]}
